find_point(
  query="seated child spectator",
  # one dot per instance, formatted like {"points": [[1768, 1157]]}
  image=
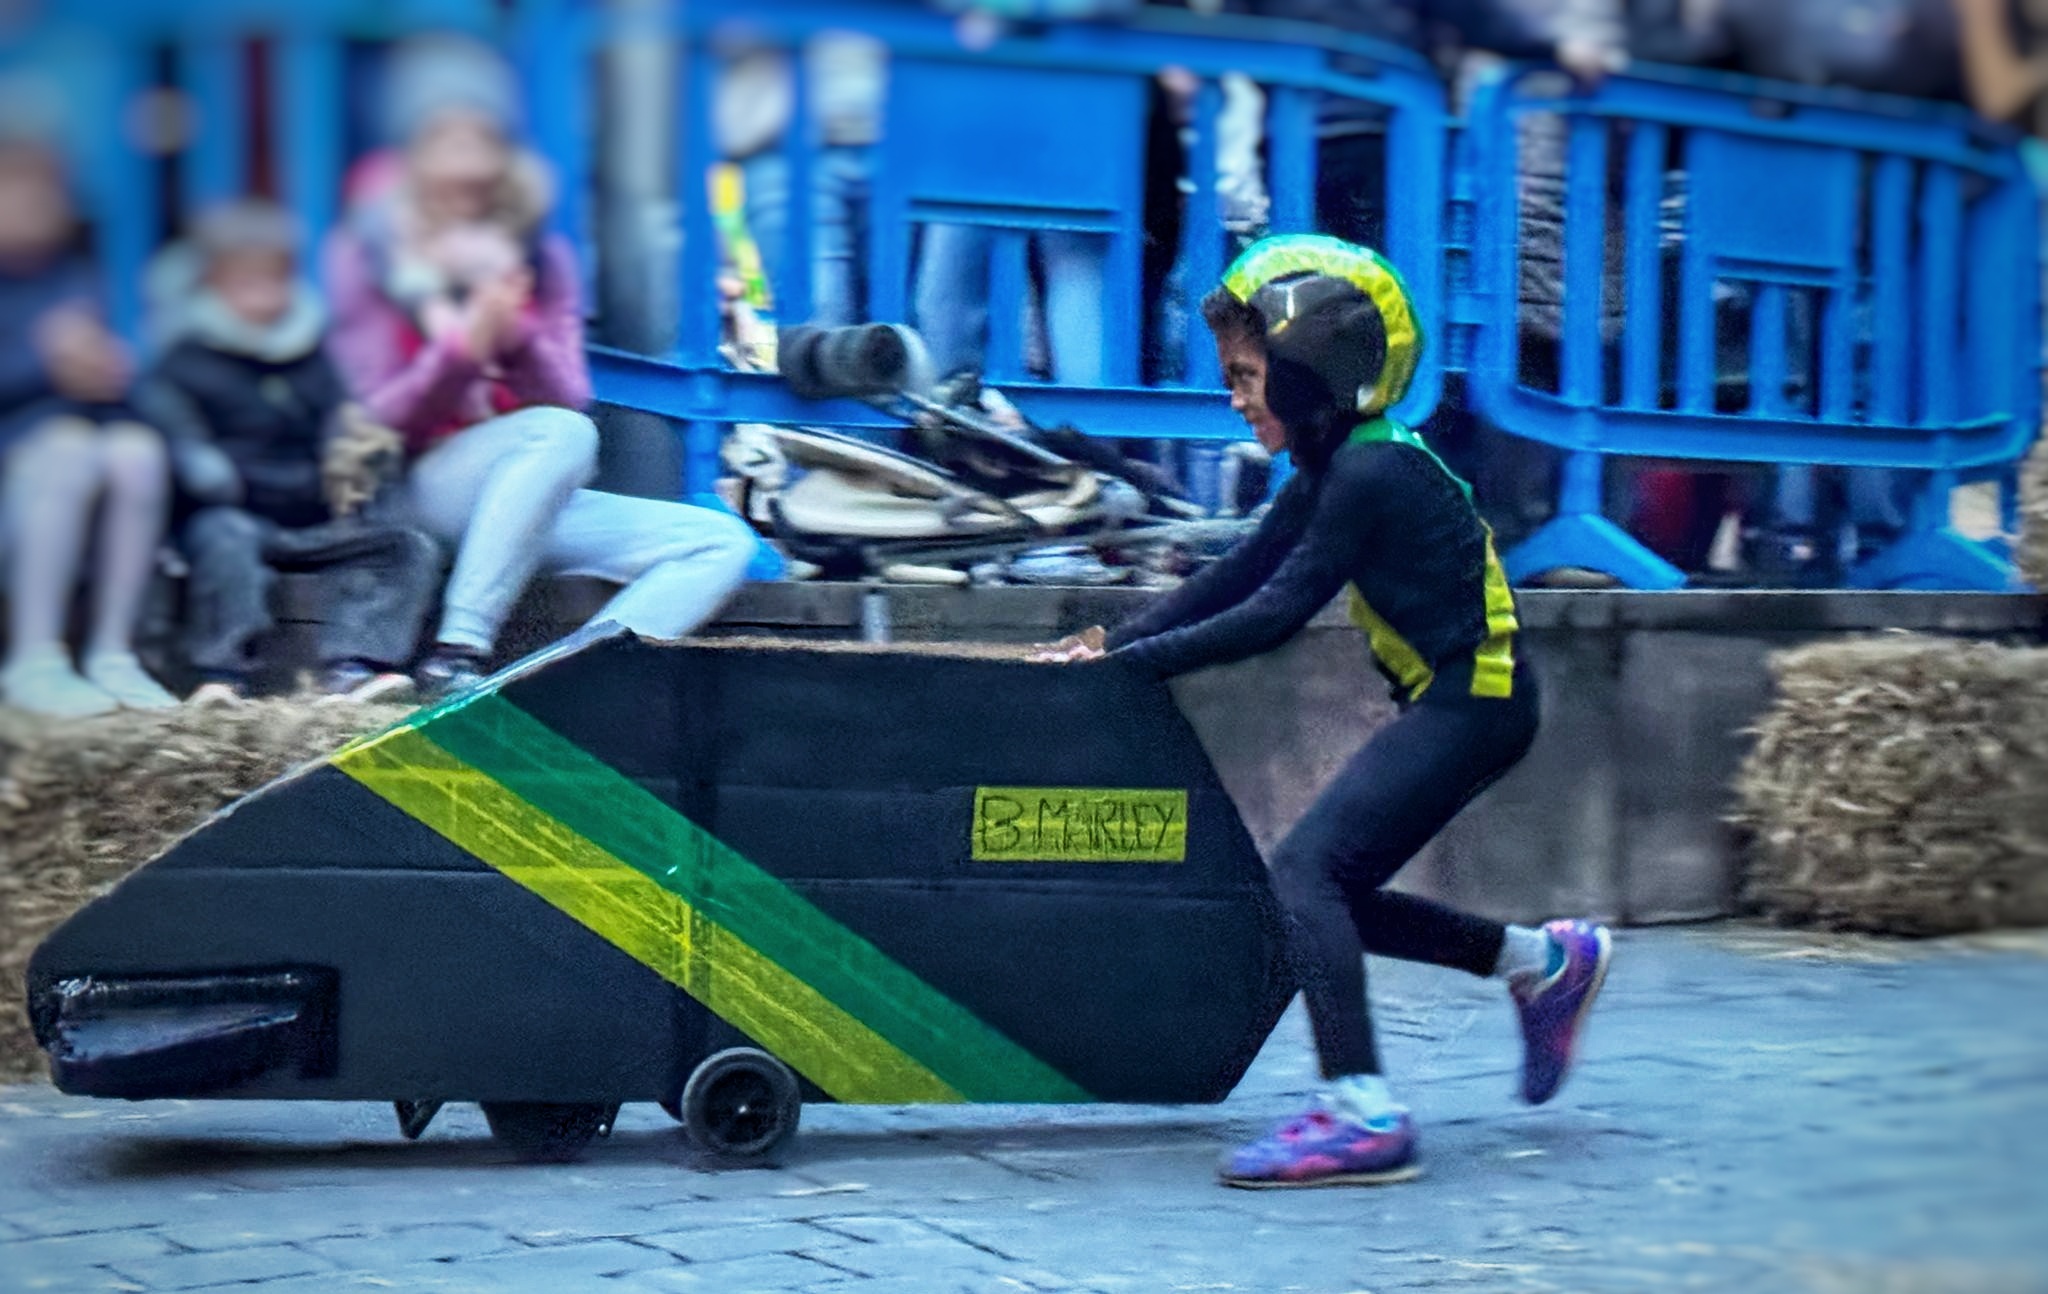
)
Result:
{"points": [[279, 466], [458, 322], [71, 453]]}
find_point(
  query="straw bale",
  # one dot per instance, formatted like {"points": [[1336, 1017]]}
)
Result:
{"points": [[1899, 785], [84, 804]]}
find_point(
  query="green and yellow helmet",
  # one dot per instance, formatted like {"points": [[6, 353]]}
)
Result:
{"points": [[1261, 278]]}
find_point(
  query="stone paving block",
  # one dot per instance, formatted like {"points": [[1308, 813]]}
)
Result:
{"points": [[58, 1255], [759, 1274], [429, 1243], [939, 1281], [570, 1262], [252, 1226], [876, 1228], [429, 1278], [717, 1244], [78, 1219], [907, 1258], [222, 1267]]}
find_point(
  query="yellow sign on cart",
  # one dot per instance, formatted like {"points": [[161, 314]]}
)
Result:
{"points": [[1079, 825]]}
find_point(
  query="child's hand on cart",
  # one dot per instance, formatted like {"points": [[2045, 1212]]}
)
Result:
{"points": [[1086, 645]]}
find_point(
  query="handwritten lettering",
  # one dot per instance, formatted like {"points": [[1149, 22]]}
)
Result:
{"points": [[1014, 824]]}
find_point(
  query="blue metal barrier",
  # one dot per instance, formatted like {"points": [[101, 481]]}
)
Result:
{"points": [[1879, 258], [1042, 131], [1910, 230]]}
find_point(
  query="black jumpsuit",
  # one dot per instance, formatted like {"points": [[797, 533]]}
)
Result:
{"points": [[1385, 517]]}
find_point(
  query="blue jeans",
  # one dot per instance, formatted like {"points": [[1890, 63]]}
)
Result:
{"points": [[952, 299], [839, 204]]}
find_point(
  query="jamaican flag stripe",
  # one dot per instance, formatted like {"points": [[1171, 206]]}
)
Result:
{"points": [[656, 928], [552, 817]]}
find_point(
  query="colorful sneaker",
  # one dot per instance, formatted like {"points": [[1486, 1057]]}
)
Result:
{"points": [[1326, 1147], [1553, 1007]]}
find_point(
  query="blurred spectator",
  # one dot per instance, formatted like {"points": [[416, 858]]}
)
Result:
{"points": [[845, 76], [2005, 68], [953, 262], [457, 322], [69, 447], [277, 465], [1887, 46]]}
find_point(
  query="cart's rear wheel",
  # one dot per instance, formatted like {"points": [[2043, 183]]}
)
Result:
{"points": [[741, 1104], [547, 1133]]}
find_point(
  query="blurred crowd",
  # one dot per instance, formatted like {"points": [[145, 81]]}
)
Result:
{"points": [[410, 433], [398, 415]]}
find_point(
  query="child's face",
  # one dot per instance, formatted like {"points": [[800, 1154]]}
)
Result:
{"points": [[255, 285], [470, 254], [458, 162], [1243, 360], [35, 210]]}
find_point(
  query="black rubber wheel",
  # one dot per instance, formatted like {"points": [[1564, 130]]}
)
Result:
{"points": [[741, 1104], [546, 1133]]}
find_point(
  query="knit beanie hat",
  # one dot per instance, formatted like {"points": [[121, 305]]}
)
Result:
{"points": [[31, 113], [246, 224], [430, 75]]}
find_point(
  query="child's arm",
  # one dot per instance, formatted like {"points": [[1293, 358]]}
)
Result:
{"points": [[366, 343], [203, 471], [1311, 574], [1231, 578], [544, 362]]}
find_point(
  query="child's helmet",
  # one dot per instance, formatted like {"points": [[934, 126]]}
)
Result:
{"points": [[1341, 338]]}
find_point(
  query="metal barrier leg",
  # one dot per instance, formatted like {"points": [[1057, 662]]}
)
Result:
{"points": [[1933, 555], [1579, 536]]}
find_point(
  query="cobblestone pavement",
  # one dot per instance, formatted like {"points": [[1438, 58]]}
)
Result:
{"points": [[1756, 1111]]}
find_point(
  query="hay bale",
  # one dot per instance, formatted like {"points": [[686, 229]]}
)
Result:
{"points": [[84, 804], [2032, 552], [1897, 786]]}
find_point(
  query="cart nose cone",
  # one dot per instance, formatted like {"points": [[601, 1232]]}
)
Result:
{"points": [[143, 1038]]}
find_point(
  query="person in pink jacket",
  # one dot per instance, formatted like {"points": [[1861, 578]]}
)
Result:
{"points": [[458, 323]]}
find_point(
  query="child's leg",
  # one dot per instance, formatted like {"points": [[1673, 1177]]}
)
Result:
{"points": [[227, 596], [1383, 806], [136, 470], [52, 482], [678, 563], [1409, 781], [495, 491]]}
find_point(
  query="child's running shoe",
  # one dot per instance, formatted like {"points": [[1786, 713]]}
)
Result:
{"points": [[1553, 1008], [1326, 1147]]}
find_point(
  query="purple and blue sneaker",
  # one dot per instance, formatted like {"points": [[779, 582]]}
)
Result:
{"points": [[1553, 1008], [1326, 1147]]}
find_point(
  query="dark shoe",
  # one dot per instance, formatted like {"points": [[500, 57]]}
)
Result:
{"points": [[449, 670]]}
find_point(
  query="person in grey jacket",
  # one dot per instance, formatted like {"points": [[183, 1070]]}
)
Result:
{"points": [[279, 466]]}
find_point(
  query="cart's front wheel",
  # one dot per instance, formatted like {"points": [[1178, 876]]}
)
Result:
{"points": [[740, 1104], [548, 1133]]}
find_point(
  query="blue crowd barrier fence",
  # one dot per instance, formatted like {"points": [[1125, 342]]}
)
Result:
{"points": [[1744, 272]]}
